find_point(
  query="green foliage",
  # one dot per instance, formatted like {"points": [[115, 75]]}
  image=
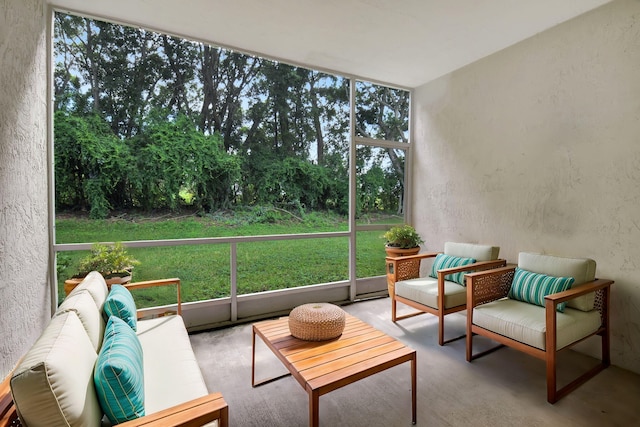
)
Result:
{"points": [[145, 120], [403, 237], [90, 163], [107, 260]]}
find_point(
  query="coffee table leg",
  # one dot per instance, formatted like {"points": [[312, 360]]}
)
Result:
{"points": [[314, 412], [413, 389]]}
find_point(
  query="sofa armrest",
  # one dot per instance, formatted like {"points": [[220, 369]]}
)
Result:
{"points": [[488, 285], [155, 283], [196, 412]]}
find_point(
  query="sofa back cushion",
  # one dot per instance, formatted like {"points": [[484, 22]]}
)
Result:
{"points": [[53, 384], [84, 305], [94, 283], [472, 250], [582, 270]]}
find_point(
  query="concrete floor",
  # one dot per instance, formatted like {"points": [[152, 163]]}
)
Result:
{"points": [[504, 388]]}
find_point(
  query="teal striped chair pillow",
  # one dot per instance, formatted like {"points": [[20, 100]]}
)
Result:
{"points": [[443, 261], [120, 303], [118, 374], [532, 287]]}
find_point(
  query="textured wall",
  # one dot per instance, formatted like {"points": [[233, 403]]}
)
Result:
{"points": [[537, 148], [24, 242]]}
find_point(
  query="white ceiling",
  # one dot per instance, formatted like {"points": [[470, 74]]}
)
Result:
{"points": [[402, 42]]}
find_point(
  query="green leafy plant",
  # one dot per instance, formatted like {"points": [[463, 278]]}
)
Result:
{"points": [[403, 237], [108, 260]]}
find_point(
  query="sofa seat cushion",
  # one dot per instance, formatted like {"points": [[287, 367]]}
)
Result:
{"points": [[526, 322], [53, 384], [425, 291], [171, 372]]}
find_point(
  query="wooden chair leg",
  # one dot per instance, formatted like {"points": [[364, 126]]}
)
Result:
{"points": [[469, 343], [393, 310], [551, 377], [440, 328]]}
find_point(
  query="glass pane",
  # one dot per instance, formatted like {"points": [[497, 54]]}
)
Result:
{"points": [[370, 254], [151, 127], [203, 271], [382, 112], [380, 184], [264, 266]]}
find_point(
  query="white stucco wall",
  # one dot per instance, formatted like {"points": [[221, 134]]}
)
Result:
{"points": [[537, 148], [24, 242]]}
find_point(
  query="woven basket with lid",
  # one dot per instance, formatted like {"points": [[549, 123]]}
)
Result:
{"points": [[317, 321]]}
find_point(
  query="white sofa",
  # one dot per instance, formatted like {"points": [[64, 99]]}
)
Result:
{"points": [[53, 385]]}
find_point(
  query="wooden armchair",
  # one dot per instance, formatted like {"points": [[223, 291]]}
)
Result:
{"points": [[443, 291], [546, 327]]}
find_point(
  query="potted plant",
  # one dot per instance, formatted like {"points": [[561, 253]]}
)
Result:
{"points": [[402, 240], [112, 261]]}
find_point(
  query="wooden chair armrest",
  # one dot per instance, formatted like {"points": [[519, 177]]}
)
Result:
{"points": [[155, 283], [584, 289], [412, 257], [488, 285], [196, 412], [476, 266]]}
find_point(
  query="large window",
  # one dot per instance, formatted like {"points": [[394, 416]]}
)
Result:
{"points": [[158, 138]]}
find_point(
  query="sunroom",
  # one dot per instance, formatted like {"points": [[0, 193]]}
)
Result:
{"points": [[522, 134]]}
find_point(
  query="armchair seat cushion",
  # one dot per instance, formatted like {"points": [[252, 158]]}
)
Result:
{"points": [[425, 291], [525, 322]]}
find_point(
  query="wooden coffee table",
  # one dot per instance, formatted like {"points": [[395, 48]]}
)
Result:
{"points": [[324, 366]]}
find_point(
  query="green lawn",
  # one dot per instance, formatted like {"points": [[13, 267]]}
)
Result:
{"points": [[204, 270]]}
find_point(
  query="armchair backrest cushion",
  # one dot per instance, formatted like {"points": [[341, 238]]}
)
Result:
{"points": [[582, 270], [472, 250]]}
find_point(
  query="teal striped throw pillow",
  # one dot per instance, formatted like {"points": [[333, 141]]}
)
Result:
{"points": [[118, 375], [120, 303], [443, 261], [532, 287]]}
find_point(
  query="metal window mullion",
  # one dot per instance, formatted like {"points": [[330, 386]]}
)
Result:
{"points": [[234, 281]]}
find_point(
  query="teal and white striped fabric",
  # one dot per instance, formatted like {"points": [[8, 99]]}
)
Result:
{"points": [[443, 261], [533, 287], [118, 375], [120, 303]]}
